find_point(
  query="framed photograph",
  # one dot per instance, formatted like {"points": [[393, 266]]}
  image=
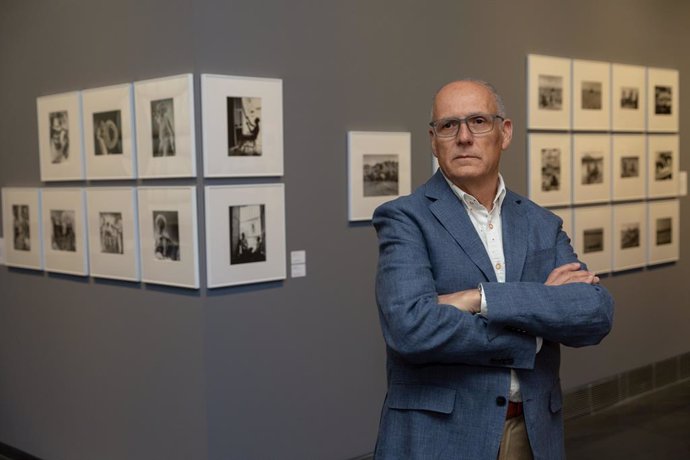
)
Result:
{"points": [[592, 237], [663, 100], [165, 127], [629, 236], [662, 165], [242, 126], [60, 137], [379, 170], [591, 168], [628, 98], [64, 231], [113, 233], [566, 215], [548, 92], [629, 166], [109, 133], [549, 169], [21, 219], [168, 236], [245, 234], [664, 231], [591, 95]]}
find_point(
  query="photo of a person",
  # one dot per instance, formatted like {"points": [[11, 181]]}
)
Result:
{"points": [[163, 127], [59, 136]]}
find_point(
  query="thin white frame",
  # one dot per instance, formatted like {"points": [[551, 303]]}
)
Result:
{"points": [[588, 218], [538, 142], [662, 123], [116, 165], [215, 91], [632, 256], [628, 119], [73, 168], [65, 261], [625, 146], [599, 192], [183, 201], [361, 143], [566, 215], [539, 117], [221, 271], [180, 90], [655, 144], [23, 258], [663, 253], [120, 266], [596, 119]]}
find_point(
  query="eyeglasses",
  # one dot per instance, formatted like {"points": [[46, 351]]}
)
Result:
{"points": [[477, 124]]}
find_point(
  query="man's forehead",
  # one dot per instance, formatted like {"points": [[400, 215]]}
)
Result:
{"points": [[464, 97]]}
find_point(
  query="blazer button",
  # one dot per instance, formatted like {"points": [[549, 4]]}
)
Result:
{"points": [[501, 401]]}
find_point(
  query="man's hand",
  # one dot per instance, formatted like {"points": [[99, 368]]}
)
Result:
{"points": [[570, 273], [469, 300]]}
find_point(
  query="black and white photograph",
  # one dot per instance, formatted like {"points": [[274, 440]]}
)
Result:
{"points": [[630, 97], [550, 169], [247, 233], [591, 95], [163, 127], [664, 231], [594, 236], [244, 126], [663, 165], [663, 100], [550, 92], [107, 128], [628, 89], [59, 136], [593, 240], [380, 174], [630, 166], [62, 233], [664, 234], [110, 232], [21, 226], [166, 235], [592, 168], [630, 235]]}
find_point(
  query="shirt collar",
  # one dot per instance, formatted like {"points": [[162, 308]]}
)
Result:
{"points": [[471, 202]]}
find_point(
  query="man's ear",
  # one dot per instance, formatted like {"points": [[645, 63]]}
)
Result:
{"points": [[431, 140], [507, 129]]}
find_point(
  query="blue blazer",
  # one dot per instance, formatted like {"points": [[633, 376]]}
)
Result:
{"points": [[449, 371]]}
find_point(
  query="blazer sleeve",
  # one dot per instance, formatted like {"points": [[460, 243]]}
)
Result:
{"points": [[414, 324]]}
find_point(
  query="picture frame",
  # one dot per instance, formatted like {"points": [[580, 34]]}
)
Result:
{"points": [[64, 231], [662, 100], [566, 215], [245, 234], [549, 170], [591, 168], [548, 92], [21, 219], [242, 121], [113, 233], [60, 137], [109, 132], [628, 98], [592, 237], [591, 95], [166, 145], [629, 166], [663, 169], [664, 231], [168, 236], [629, 236], [379, 170]]}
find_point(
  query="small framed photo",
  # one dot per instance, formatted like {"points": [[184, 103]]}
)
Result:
{"points": [[664, 231], [629, 236], [593, 237], [548, 92], [662, 165], [549, 169], [22, 227], [64, 231], [245, 234], [168, 236], [566, 215], [242, 126], [591, 168], [379, 170], [628, 98], [113, 233], [165, 127], [109, 133], [591, 95], [663, 100], [629, 166], [60, 137]]}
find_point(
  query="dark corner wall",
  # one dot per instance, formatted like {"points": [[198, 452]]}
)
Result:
{"points": [[294, 369]]}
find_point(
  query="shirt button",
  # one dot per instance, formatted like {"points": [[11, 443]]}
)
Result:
{"points": [[501, 401], [491, 226], [498, 266]]}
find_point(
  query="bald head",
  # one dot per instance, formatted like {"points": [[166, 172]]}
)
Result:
{"points": [[469, 83]]}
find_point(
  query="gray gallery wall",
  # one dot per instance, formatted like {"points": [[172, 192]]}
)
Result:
{"points": [[294, 369]]}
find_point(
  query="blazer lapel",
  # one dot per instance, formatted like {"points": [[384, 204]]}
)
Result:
{"points": [[515, 228]]}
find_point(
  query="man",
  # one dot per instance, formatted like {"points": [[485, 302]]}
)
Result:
{"points": [[477, 288]]}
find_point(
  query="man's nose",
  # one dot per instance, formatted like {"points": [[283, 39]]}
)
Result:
{"points": [[464, 134]]}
